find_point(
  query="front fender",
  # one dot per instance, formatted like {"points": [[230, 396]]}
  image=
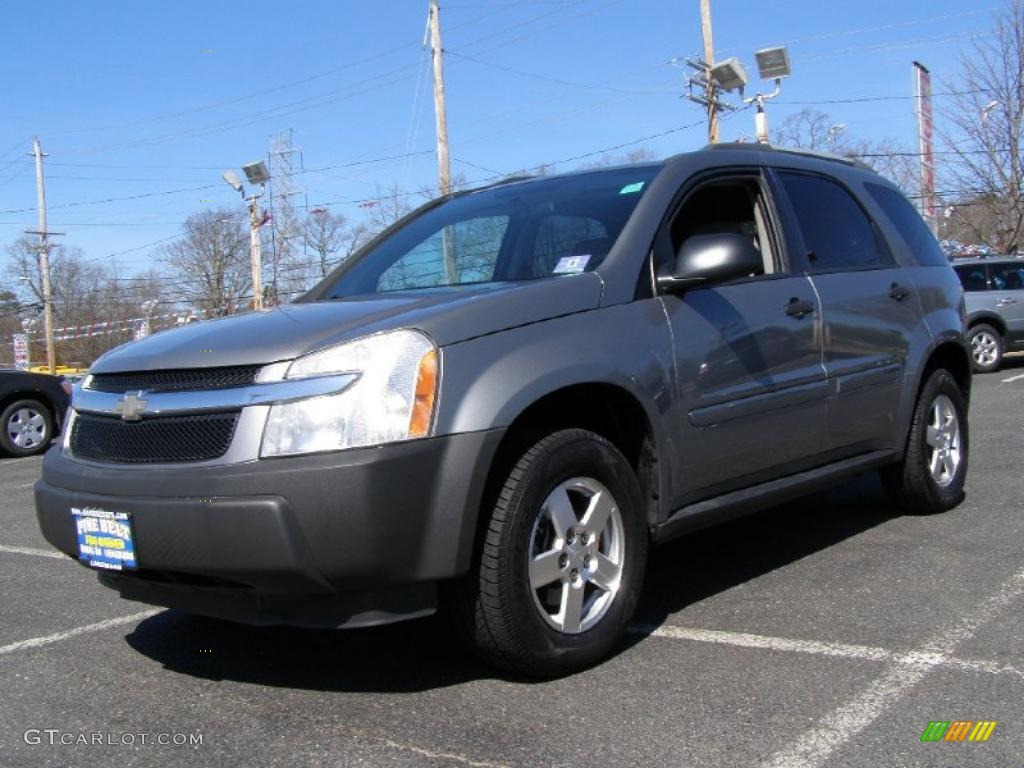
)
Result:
{"points": [[487, 382]]}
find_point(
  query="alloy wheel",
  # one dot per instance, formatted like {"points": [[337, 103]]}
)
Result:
{"points": [[943, 439], [984, 348], [576, 555]]}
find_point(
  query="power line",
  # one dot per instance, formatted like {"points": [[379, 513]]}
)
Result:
{"points": [[273, 89], [556, 80], [863, 99], [118, 199], [886, 27], [310, 102]]}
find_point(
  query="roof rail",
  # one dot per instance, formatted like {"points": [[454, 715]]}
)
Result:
{"points": [[851, 161]]}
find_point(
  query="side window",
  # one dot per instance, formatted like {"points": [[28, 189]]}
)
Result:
{"points": [[1007, 277], [561, 235], [910, 225], [471, 250], [731, 206], [972, 277], [837, 232]]}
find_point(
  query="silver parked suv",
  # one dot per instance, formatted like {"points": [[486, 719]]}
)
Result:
{"points": [[504, 399], [994, 292]]}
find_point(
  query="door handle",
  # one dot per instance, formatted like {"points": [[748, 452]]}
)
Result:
{"points": [[798, 307], [1004, 301], [898, 292]]}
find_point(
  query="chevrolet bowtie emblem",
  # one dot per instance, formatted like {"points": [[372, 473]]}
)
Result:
{"points": [[131, 406]]}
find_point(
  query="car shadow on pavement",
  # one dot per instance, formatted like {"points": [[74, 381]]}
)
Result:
{"points": [[1010, 363], [425, 654]]}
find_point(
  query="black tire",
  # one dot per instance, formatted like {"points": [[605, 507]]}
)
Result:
{"points": [[911, 483], [987, 348], [497, 610], [34, 440]]}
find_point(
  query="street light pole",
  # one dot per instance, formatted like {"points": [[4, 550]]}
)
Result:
{"points": [[255, 251], [258, 175]]}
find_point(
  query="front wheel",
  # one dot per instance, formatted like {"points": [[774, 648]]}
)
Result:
{"points": [[932, 474], [562, 562]]}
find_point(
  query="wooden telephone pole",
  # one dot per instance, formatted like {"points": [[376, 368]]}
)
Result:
{"points": [[44, 256], [709, 59], [444, 167]]}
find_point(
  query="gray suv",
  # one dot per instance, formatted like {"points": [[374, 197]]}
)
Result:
{"points": [[501, 402], [994, 292]]}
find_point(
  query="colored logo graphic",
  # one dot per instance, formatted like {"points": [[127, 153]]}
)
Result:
{"points": [[958, 730]]}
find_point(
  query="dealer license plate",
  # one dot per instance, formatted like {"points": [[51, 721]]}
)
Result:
{"points": [[105, 538]]}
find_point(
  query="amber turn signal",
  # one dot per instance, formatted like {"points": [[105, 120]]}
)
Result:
{"points": [[426, 388]]}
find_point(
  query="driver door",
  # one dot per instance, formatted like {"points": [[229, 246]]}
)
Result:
{"points": [[749, 374]]}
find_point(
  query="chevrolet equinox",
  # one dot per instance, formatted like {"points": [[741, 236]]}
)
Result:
{"points": [[503, 400]]}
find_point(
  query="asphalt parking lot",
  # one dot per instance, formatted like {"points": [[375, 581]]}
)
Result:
{"points": [[830, 631]]}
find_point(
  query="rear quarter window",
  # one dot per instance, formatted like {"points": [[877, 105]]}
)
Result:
{"points": [[908, 222]]}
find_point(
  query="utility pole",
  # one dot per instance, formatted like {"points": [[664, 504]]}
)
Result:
{"points": [[444, 168], [709, 59], [44, 256]]}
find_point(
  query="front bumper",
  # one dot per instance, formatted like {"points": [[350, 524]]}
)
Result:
{"points": [[352, 537]]}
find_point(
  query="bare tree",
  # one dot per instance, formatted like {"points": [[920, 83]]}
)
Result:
{"points": [[211, 263], [808, 129], [895, 161], [984, 123], [93, 305], [388, 206], [818, 131], [331, 240], [637, 155]]}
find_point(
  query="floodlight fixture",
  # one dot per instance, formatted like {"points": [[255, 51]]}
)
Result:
{"points": [[730, 74], [773, 63], [232, 178], [256, 172]]}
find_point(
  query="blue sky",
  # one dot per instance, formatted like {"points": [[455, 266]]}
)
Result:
{"points": [[152, 100]]}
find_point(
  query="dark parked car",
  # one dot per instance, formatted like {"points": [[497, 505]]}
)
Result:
{"points": [[32, 407], [505, 398], [994, 292]]}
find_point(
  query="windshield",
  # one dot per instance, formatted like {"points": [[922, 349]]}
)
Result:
{"points": [[523, 231]]}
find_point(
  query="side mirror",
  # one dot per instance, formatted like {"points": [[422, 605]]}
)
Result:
{"points": [[711, 259]]}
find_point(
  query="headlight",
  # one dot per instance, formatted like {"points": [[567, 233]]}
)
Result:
{"points": [[392, 398]]}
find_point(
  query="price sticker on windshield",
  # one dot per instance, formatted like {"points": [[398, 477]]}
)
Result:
{"points": [[571, 265]]}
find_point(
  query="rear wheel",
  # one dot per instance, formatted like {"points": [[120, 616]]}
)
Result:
{"points": [[562, 561], [934, 468], [27, 428], [986, 348]]}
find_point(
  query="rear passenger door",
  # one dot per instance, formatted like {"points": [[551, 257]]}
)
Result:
{"points": [[1008, 291], [868, 305]]}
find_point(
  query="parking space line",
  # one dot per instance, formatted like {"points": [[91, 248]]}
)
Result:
{"points": [[56, 637], [1018, 377], [836, 650], [33, 552], [438, 755], [8, 462], [837, 728]]}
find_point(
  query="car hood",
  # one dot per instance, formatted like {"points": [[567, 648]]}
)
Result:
{"points": [[447, 315]]}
